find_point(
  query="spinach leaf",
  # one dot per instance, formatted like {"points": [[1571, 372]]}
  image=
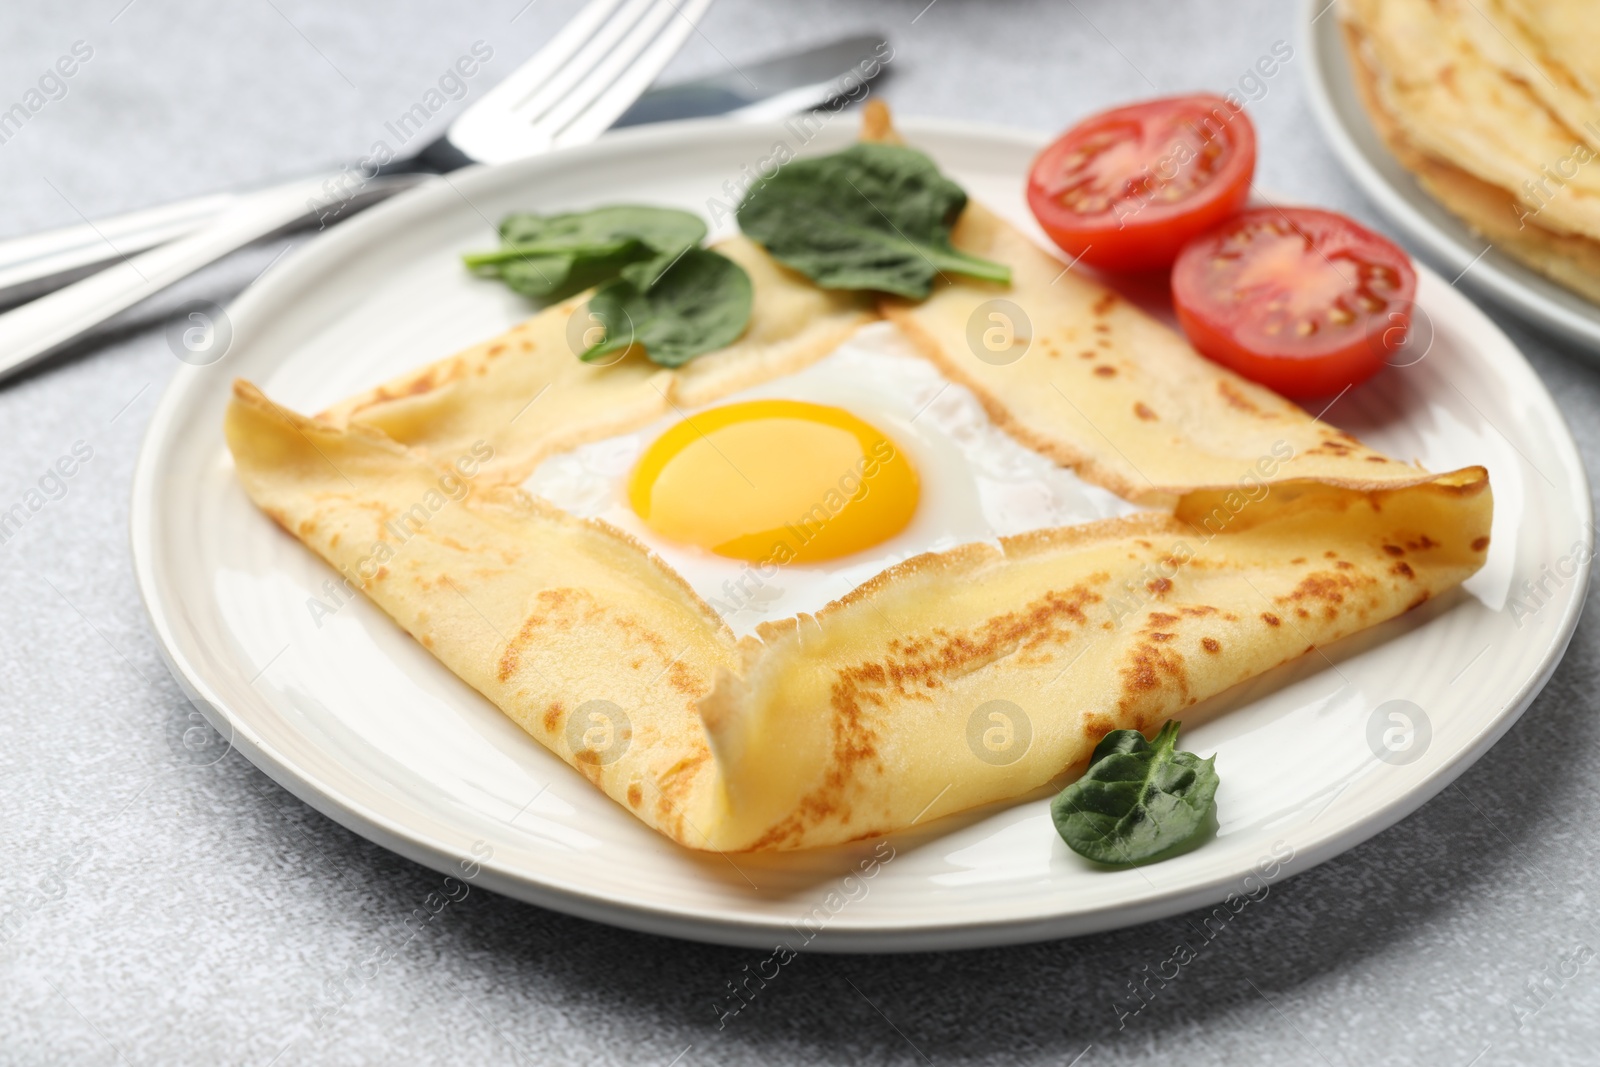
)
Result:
{"points": [[659, 229], [550, 257], [657, 287], [548, 278], [875, 216], [702, 302], [1137, 800]]}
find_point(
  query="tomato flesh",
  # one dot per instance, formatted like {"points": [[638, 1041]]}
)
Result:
{"points": [[1126, 189], [1305, 302]]}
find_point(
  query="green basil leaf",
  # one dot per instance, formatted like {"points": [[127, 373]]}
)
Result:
{"points": [[875, 216], [701, 303], [1138, 800], [551, 257]]}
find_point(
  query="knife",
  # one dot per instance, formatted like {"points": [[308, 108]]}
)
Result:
{"points": [[772, 88]]}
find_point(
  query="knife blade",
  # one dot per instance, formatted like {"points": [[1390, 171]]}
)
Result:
{"points": [[810, 78]]}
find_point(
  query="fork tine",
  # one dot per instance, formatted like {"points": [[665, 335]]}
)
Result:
{"points": [[553, 57], [583, 116], [580, 66], [609, 66]]}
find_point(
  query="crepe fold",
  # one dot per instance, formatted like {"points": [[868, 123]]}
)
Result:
{"points": [[951, 680], [1494, 105], [528, 396], [1109, 391], [541, 612]]}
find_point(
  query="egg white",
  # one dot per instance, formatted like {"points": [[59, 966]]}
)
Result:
{"points": [[977, 484]]}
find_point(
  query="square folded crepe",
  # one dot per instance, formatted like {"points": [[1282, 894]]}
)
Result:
{"points": [[1271, 534]]}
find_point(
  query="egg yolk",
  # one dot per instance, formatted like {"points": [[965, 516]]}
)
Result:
{"points": [[775, 481]]}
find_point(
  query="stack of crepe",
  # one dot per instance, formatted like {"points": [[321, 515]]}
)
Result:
{"points": [[1495, 106]]}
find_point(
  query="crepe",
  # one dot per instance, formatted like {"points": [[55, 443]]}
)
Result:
{"points": [[527, 396], [858, 720], [1551, 46], [1494, 105], [539, 611], [1119, 397]]}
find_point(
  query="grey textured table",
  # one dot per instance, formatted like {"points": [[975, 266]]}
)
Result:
{"points": [[157, 910]]}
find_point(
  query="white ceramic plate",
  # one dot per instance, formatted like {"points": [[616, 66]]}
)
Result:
{"points": [[1445, 239], [357, 720]]}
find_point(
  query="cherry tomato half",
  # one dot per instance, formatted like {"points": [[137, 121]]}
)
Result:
{"points": [[1305, 302], [1127, 189]]}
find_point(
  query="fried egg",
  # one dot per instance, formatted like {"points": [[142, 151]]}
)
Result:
{"points": [[783, 497], [785, 481]]}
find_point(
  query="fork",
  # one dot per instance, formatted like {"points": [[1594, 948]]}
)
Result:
{"points": [[569, 93]]}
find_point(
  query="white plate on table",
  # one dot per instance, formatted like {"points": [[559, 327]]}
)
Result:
{"points": [[356, 719], [1447, 241]]}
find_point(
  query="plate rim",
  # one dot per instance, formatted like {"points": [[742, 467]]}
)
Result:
{"points": [[735, 929], [1518, 289]]}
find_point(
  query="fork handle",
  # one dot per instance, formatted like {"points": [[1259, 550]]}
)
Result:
{"points": [[35, 330]]}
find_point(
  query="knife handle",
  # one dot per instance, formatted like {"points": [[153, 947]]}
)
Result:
{"points": [[34, 330], [42, 262]]}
